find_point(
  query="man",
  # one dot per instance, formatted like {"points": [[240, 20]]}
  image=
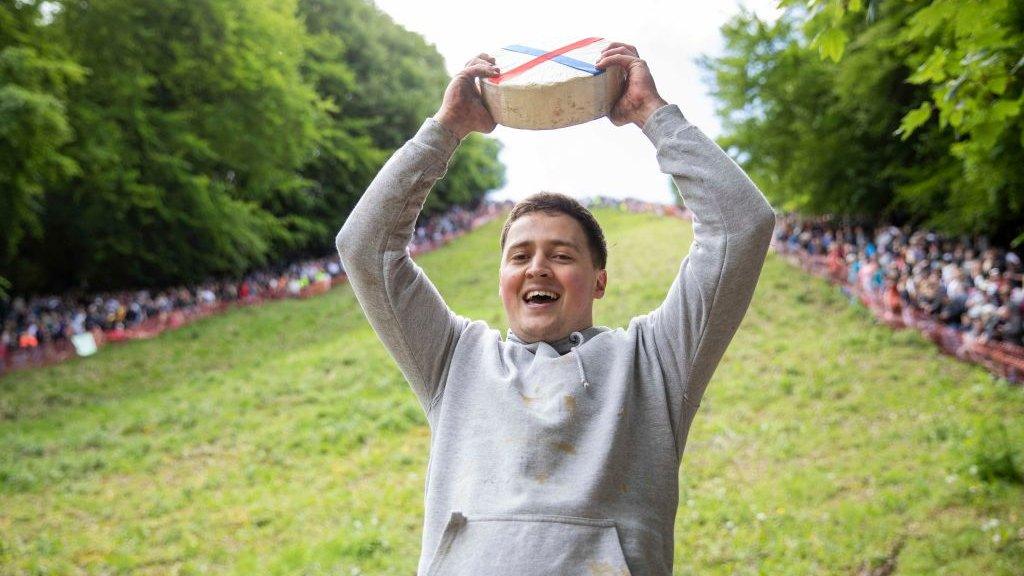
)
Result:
{"points": [[557, 449]]}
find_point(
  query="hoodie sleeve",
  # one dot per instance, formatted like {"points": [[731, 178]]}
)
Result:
{"points": [[732, 228], [402, 305]]}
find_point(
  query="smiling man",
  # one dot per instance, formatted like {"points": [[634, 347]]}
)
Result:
{"points": [[552, 267], [556, 449]]}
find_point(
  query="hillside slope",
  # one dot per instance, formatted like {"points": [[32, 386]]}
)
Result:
{"points": [[282, 439]]}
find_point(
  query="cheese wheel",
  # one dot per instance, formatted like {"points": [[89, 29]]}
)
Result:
{"points": [[550, 94]]}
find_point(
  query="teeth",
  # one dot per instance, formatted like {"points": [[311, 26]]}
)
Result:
{"points": [[533, 293]]}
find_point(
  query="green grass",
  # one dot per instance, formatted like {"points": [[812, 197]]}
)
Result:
{"points": [[282, 440]]}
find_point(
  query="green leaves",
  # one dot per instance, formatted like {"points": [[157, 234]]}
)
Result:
{"points": [[830, 43], [34, 128], [933, 69], [914, 119], [155, 142], [882, 82]]}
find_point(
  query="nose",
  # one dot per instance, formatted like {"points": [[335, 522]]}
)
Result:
{"points": [[538, 267]]}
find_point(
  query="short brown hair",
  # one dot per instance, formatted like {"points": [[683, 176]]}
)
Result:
{"points": [[552, 204]]}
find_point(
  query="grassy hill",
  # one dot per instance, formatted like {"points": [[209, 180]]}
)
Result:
{"points": [[282, 440]]}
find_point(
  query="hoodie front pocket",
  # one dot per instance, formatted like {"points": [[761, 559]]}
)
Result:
{"points": [[528, 545]]}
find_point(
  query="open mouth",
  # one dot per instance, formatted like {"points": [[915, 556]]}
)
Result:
{"points": [[540, 298]]}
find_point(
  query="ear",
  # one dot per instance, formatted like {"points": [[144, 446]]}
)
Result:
{"points": [[602, 283]]}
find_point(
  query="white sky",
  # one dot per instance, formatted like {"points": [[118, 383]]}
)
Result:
{"points": [[595, 158]]}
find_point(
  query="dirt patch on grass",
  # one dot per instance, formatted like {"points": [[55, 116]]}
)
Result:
{"points": [[884, 566]]}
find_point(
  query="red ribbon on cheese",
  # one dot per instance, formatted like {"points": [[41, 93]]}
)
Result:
{"points": [[542, 58]]}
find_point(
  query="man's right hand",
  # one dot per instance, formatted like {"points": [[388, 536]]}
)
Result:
{"points": [[462, 110]]}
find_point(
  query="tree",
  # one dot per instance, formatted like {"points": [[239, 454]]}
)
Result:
{"points": [[817, 137], [382, 81], [152, 143], [967, 56], [192, 127], [35, 74]]}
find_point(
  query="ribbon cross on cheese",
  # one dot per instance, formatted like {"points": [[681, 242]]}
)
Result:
{"points": [[556, 55], [544, 90]]}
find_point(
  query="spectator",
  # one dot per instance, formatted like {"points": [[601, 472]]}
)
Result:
{"points": [[38, 322], [963, 283]]}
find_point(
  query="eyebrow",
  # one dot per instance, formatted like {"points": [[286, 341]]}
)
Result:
{"points": [[522, 243]]}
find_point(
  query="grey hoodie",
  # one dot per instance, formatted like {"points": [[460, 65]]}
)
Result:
{"points": [[561, 457]]}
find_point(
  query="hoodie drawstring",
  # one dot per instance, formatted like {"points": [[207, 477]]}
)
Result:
{"points": [[576, 338]]}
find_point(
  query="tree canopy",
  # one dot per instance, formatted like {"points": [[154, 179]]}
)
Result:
{"points": [[909, 111], [150, 143]]}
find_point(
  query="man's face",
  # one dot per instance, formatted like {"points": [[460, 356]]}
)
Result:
{"points": [[548, 281]]}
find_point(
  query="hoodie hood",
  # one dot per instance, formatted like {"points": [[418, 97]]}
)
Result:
{"points": [[568, 345]]}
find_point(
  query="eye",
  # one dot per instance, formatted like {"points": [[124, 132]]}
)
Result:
{"points": [[517, 257], [563, 257]]}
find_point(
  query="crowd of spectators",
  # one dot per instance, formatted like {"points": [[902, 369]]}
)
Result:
{"points": [[32, 324], [631, 205], [965, 283], [456, 220]]}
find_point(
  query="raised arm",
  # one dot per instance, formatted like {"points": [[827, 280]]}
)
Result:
{"points": [[732, 227], [402, 305]]}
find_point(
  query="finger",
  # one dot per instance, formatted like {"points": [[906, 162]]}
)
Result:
{"points": [[480, 62], [481, 57], [620, 50], [480, 70], [617, 60], [629, 47]]}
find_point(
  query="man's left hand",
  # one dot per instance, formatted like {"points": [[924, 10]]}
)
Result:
{"points": [[640, 98]]}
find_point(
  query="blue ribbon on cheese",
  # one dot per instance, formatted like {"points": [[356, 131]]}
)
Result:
{"points": [[564, 60]]}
